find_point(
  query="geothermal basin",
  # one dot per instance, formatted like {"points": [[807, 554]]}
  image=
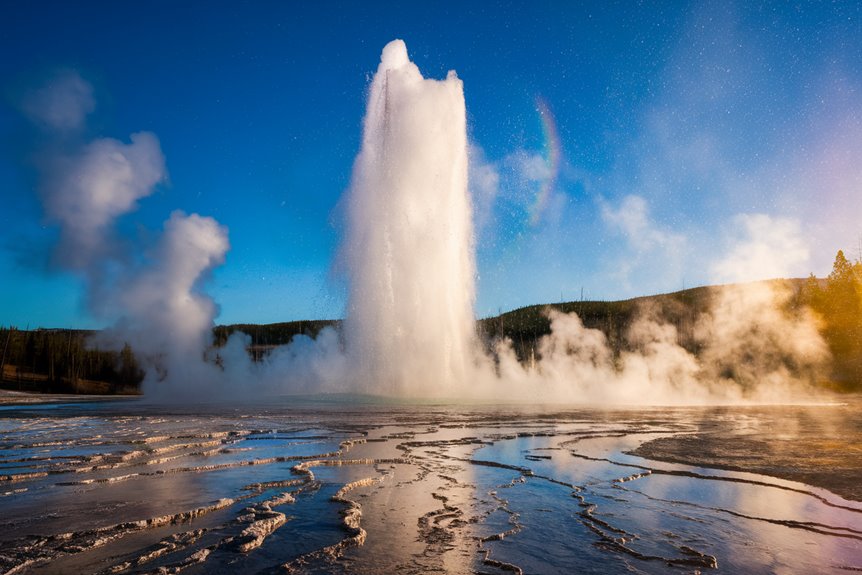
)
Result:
{"points": [[346, 483]]}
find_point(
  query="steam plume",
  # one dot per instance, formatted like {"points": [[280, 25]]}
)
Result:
{"points": [[408, 248], [87, 191], [409, 242], [62, 105], [166, 319], [153, 301]]}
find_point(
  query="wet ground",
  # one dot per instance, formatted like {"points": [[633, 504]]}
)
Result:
{"points": [[122, 487]]}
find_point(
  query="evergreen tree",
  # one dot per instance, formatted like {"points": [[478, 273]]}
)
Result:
{"points": [[840, 305]]}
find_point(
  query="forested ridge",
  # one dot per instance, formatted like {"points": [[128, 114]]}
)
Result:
{"points": [[63, 360]]}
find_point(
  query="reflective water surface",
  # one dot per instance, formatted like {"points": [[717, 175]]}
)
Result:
{"points": [[123, 487]]}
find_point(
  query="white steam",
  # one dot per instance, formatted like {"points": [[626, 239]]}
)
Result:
{"points": [[576, 364], [651, 246], [770, 248], [409, 329], [752, 344], [87, 191], [409, 237], [63, 104], [408, 248], [749, 336], [167, 321], [153, 300]]}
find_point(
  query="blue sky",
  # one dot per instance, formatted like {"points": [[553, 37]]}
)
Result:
{"points": [[698, 142]]}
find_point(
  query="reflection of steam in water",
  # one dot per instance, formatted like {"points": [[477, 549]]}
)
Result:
{"points": [[422, 510]]}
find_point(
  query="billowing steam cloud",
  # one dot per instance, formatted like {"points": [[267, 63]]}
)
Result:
{"points": [[87, 191], [751, 344], [748, 337], [165, 320], [86, 187], [408, 247], [63, 104], [409, 328]]}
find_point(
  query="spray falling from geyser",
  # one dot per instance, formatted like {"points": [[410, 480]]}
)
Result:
{"points": [[409, 237], [409, 251]]}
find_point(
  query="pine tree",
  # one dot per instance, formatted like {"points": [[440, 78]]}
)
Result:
{"points": [[841, 308]]}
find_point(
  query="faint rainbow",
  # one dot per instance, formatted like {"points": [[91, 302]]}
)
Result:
{"points": [[553, 153]]}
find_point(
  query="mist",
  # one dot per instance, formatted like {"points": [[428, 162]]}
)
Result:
{"points": [[150, 293], [409, 242], [408, 248]]}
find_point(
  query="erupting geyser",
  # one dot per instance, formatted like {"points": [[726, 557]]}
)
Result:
{"points": [[409, 241], [408, 250]]}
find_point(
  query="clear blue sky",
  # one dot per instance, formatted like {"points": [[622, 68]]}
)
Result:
{"points": [[688, 134]]}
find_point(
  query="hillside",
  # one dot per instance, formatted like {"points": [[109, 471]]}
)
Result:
{"points": [[524, 326], [60, 361]]}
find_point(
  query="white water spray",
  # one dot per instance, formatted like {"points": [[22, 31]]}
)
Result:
{"points": [[409, 241], [408, 248]]}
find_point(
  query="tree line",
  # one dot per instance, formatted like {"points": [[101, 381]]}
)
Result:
{"points": [[837, 300], [59, 360]]}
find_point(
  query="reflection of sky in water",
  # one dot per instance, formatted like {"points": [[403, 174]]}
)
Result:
{"points": [[753, 539], [739, 522], [430, 501]]}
